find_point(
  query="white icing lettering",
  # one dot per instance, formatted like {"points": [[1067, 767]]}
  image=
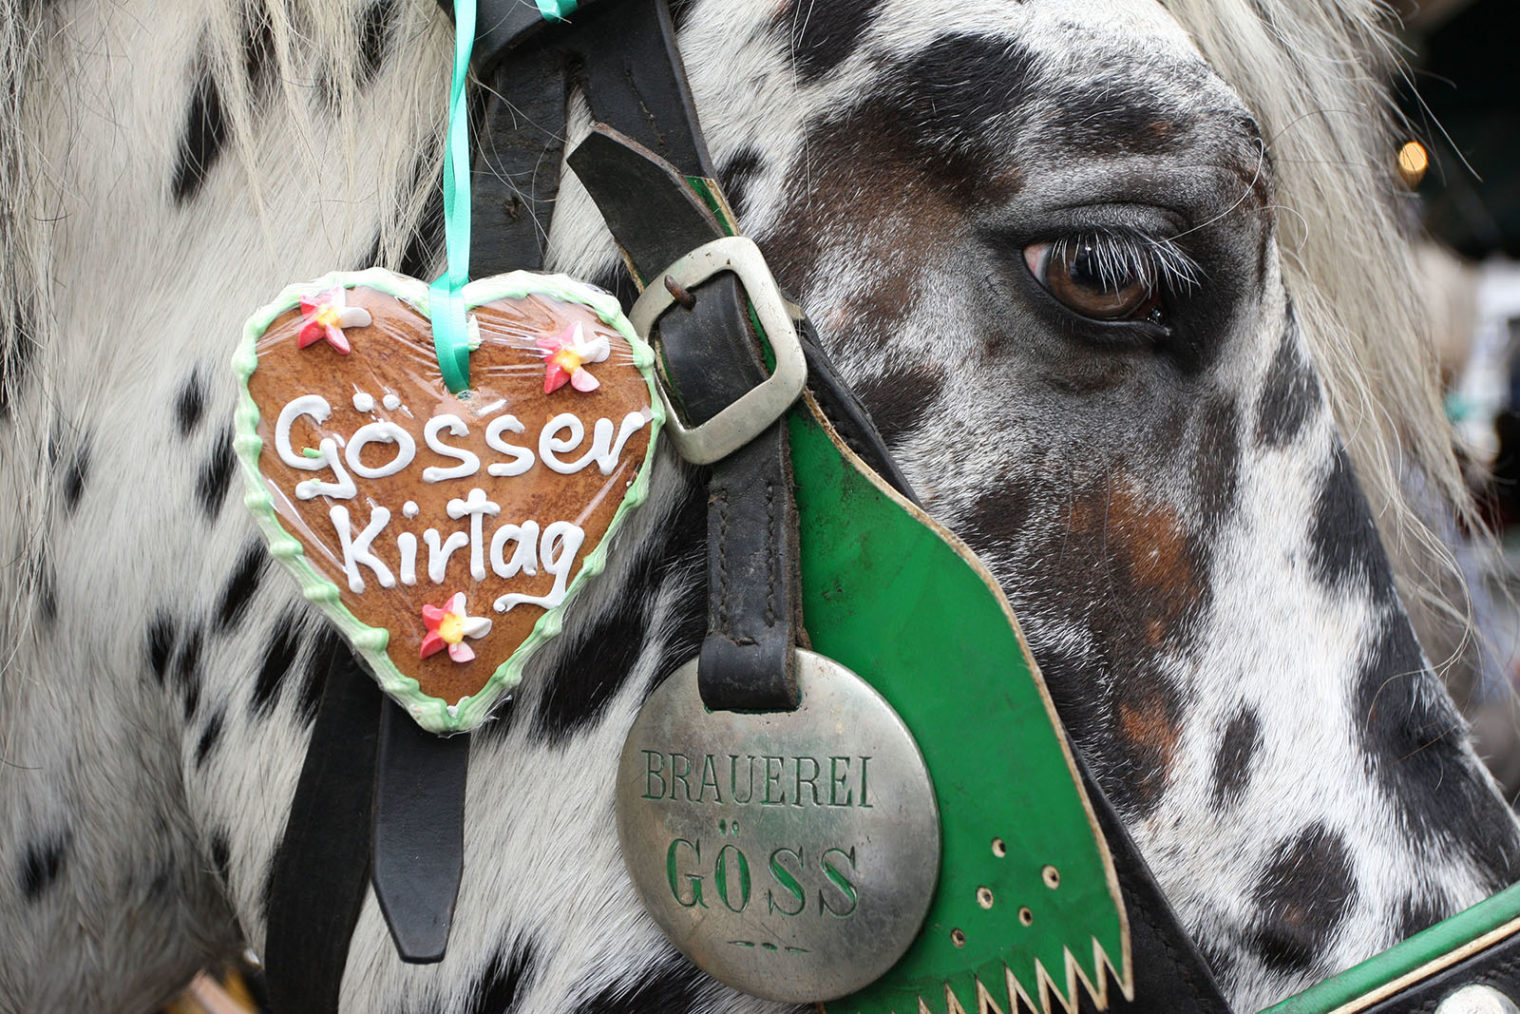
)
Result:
{"points": [[356, 552], [406, 542], [438, 555], [607, 456], [551, 446], [385, 433], [317, 407], [557, 549], [524, 558], [409, 509], [522, 458], [604, 449], [469, 463], [475, 506]]}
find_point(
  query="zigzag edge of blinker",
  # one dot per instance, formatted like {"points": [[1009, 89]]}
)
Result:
{"points": [[1013, 991]]}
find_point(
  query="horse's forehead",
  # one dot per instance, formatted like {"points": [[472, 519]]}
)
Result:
{"points": [[1055, 29], [1097, 35], [1037, 81]]}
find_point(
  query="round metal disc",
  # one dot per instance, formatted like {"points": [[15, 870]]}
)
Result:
{"points": [[792, 855]]}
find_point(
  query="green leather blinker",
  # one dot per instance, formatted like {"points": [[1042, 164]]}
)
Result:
{"points": [[1028, 901]]}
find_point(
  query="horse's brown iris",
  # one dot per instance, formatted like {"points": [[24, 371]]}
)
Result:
{"points": [[1081, 275]]}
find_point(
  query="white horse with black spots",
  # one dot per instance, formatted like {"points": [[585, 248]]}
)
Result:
{"points": [[1120, 281]]}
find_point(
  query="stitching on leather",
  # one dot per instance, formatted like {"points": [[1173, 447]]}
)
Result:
{"points": [[722, 502], [1184, 969], [770, 553]]}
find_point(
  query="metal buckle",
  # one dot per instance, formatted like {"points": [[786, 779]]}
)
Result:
{"points": [[749, 414]]}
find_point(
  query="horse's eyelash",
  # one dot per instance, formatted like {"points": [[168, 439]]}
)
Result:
{"points": [[1126, 257]]}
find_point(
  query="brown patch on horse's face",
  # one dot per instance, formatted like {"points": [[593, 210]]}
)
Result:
{"points": [[852, 165], [1142, 542], [1146, 572], [1148, 727]]}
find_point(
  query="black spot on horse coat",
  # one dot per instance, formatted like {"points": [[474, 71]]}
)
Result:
{"points": [[824, 35], [215, 476], [205, 135], [673, 987], [240, 586], [190, 403], [76, 475], [1413, 740], [1344, 548], [160, 645], [210, 736], [899, 398], [42, 864], [1303, 895], [187, 669], [281, 646], [1290, 397], [1237, 753]]}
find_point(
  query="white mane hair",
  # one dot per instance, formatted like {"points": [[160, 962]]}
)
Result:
{"points": [[313, 67], [1315, 74], [24, 310]]}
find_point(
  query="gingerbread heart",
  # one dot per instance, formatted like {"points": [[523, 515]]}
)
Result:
{"points": [[443, 534]]}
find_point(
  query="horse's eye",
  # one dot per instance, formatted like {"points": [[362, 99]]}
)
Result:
{"points": [[1080, 275]]}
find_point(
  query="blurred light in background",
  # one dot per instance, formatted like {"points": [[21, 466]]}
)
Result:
{"points": [[1413, 162]]}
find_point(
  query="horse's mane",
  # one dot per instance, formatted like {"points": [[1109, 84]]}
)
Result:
{"points": [[1316, 73], [17, 266], [1313, 72]]}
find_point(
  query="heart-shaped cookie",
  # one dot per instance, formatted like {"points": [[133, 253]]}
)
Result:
{"points": [[444, 534]]}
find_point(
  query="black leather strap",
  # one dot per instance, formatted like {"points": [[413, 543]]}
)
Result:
{"points": [[747, 662], [419, 833], [519, 143], [317, 883], [712, 357]]}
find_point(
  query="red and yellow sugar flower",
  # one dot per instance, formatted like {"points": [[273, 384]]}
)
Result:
{"points": [[449, 626], [326, 315], [565, 356]]}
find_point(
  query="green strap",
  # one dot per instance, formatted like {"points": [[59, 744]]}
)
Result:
{"points": [[446, 307]]}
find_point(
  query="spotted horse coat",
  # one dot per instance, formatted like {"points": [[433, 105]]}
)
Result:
{"points": [[1167, 500]]}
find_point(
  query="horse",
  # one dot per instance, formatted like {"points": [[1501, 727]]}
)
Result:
{"points": [[1122, 283]]}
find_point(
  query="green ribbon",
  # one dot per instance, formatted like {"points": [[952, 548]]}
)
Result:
{"points": [[446, 307], [556, 10]]}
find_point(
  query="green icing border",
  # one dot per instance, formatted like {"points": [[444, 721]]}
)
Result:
{"points": [[432, 713]]}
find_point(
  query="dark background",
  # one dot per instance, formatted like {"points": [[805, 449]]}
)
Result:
{"points": [[1463, 103]]}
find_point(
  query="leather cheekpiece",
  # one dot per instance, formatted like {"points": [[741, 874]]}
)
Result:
{"points": [[712, 357]]}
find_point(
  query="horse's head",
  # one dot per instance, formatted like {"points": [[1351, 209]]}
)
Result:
{"points": [[1078, 277]]}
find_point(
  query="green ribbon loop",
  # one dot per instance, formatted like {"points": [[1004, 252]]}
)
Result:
{"points": [[556, 10], [446, 307]]}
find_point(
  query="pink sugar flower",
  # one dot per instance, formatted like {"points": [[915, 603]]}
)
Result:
{"points": [[564, 356], [326, 315], [449, 626]]}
